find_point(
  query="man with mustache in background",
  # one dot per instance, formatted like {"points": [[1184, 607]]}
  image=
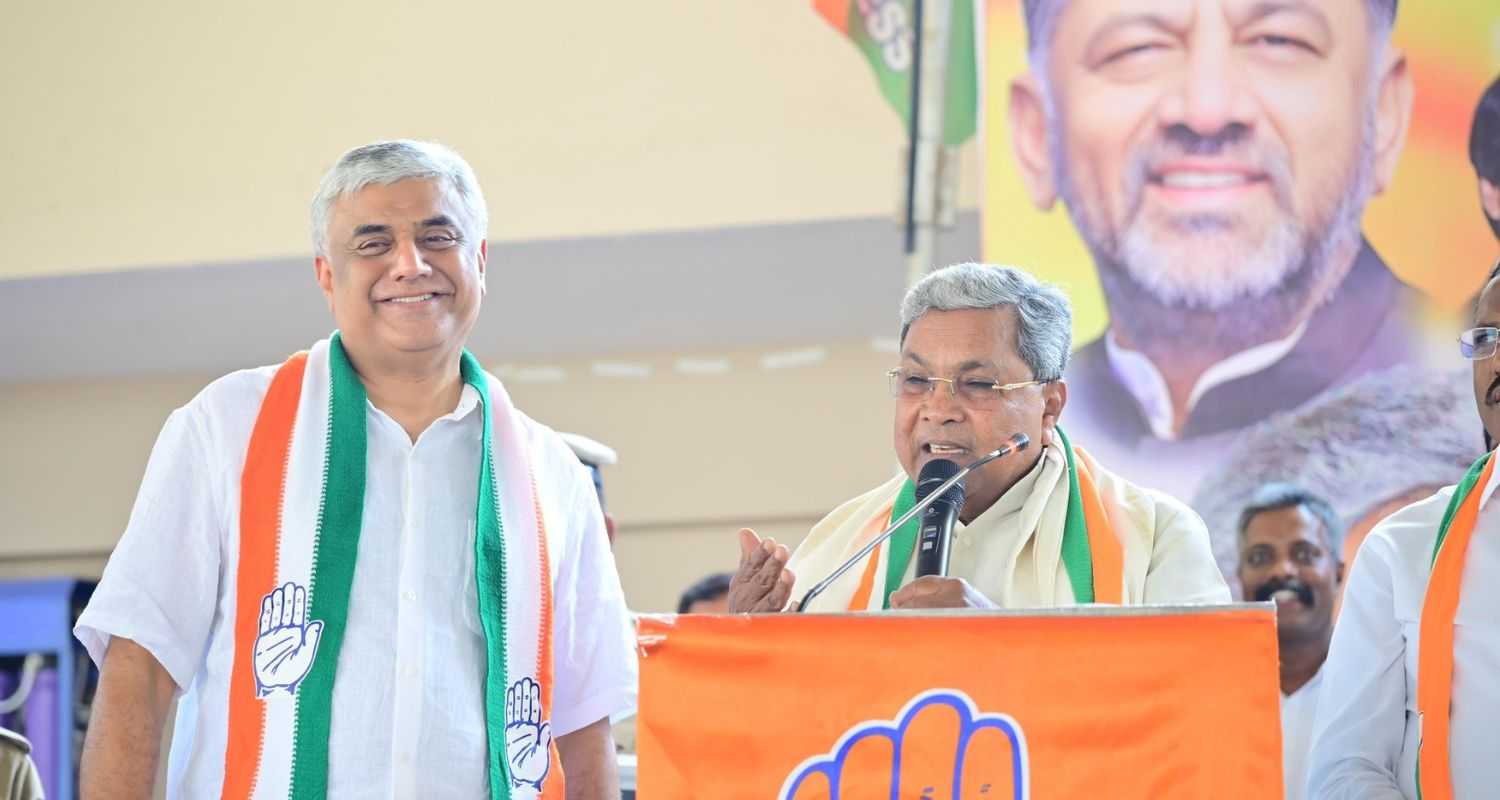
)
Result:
{"points": [[1290, 546], [1216, 157]]}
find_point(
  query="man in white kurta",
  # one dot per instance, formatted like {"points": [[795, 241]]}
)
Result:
{"points": [[399, 230], [1010, 553], [408, 702], [1368, 730], [983, 349]]}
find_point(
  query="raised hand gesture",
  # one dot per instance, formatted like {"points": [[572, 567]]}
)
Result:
{"points": [[762, 582]]}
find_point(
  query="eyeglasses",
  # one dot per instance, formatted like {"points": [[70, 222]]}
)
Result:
{"points": [[1477, 344], [970, 391]]}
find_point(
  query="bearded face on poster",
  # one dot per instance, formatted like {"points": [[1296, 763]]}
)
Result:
{"points": [[1216, 157]]}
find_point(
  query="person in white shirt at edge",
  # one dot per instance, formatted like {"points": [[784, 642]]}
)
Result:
{"points": [[1411, 669], [365, 573], [1290, 541], [983, 350]]}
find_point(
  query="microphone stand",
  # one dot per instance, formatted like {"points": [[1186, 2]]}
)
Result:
{"points": [[1015, 443]]}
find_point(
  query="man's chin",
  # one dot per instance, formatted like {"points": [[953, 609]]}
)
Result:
{"points": [[1206, 271], [415, 341], [1300, 627]]}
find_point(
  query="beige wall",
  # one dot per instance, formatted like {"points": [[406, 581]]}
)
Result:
{"points": [[700, 456], [175, 133], [178, 132]]}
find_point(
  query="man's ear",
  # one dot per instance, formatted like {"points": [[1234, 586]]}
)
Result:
{"points": [[1392, 117], [323, 271], [1054, 397], [1029, 140], [483, 259]]}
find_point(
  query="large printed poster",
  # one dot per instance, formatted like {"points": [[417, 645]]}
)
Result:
{"points": [[1266, 216]]}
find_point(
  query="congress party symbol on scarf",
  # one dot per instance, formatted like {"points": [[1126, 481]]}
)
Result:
{"points": [[301, 506]]}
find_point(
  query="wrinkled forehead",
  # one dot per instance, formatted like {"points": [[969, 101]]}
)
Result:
{"points": [[963, 339], [1283, 526], [406, 200], [1076, 22]]}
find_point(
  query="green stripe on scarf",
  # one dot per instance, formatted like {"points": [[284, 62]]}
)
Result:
{"points": [[1076, 557], [1459, 495], [903, 542], [335, 550], [489, 580]]}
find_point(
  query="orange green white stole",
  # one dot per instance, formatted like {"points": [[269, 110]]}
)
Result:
{"points": [[1091, 552], [301, 508], [1435, 646]]}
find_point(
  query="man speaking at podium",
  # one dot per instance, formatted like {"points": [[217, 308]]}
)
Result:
{"points": [[983, 349]]}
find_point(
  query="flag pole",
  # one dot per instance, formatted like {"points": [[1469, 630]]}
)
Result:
{"points": [[928, 90], [913, 129]]}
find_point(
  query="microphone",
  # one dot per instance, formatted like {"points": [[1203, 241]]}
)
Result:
{"points": [[935, 535], [1015, 443]]}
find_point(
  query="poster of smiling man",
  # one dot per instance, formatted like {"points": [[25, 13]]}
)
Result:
{"points": [[1251, 202]]}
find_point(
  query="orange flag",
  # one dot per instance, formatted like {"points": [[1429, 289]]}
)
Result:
{"points": [[1073, 703]]}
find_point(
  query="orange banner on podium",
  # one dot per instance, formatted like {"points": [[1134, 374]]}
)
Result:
{"points": [[1075, 703]]}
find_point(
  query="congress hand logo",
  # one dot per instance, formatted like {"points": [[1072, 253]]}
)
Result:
{"points": [[287, 642], [939, 747], [528, 737]]}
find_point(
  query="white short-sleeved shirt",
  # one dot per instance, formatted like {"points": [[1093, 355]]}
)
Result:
{"points": [[1366, 730], [408, 701], [1297, 710]]}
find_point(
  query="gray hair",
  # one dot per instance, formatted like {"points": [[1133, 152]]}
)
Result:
{"points": [[1044, 318], [1359, 447], [1276, 496], [384, 163]]}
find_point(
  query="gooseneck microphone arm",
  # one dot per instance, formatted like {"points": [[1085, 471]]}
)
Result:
{"points": [[1017, 442]]}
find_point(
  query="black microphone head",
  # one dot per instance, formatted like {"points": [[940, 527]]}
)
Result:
{"points": [[932, 476]]}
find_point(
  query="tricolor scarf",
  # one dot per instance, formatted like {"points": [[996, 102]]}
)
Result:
{"points": [[1092, 554], [301, 507], [1435, 646]]}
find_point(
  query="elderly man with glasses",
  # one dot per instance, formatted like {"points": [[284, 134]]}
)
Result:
{"points": [[983, 349], [1409, 706]]}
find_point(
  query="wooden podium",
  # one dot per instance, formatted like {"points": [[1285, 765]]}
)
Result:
{"points": [[1089, 702]]}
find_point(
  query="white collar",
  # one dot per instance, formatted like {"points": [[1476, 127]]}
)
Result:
{"points": [[1144, 381], [468, 401], [1494, 483]]}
